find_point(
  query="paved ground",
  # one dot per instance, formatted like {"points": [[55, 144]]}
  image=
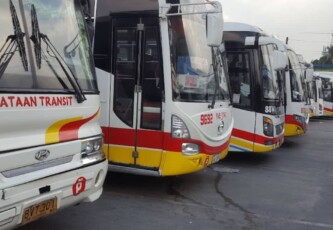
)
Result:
{"points": [[290, 188]]}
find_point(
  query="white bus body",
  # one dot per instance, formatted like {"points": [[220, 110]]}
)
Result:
{"points": [[297, 117], [50, 139], [257, 93], [307, 82], [163, 85], [327, 81], [318, 97]]}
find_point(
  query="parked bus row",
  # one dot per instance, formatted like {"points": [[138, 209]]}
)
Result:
{"points": [[174, 90]]}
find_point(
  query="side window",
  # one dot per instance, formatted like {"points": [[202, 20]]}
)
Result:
{"points": [[327, 91], [125, 62], [239, 74], [102, 45], [152, 81]]}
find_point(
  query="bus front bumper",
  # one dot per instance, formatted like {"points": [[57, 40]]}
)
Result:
{"points": [[24, 203]]}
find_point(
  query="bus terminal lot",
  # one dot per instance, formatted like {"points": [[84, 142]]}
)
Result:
{"points": [[289, 188]]}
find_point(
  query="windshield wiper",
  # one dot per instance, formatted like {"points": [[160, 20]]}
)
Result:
{"points": [[37, 37], [13, 43], [216, 62]]}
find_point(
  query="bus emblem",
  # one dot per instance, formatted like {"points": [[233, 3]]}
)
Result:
{"points": [[220, 128], [42, 154]]}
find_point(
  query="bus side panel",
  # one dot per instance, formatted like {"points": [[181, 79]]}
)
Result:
{"points": [[243, 134], [328, 108], [104, 85]]}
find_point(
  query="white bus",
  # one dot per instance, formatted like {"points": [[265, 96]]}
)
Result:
{"points": [[165, 93], [308, 72], [256, 70], [297, 109], [318, 97], [51, 152], [327, 81]]}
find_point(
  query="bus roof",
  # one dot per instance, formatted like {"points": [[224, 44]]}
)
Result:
{"points": [[238, 26], [327, 75]]}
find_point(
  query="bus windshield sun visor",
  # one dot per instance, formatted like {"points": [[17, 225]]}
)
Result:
{"points": [[37, 37], [12, 44]]}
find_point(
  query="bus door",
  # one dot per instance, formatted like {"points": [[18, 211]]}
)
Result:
{"points": [[138, 88], [239, 68]]}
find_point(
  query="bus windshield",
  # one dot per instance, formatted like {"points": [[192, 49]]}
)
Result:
{"points": [[327, 91], [295, 71], [269, 76], [193, 72], [44, 47]]}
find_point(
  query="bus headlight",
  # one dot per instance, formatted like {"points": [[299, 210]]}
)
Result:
{"points": [[178, 128], [268, 127], [298, 119], [92, 150]]}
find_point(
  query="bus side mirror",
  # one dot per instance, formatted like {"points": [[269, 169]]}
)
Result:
{"points": [[214, 29], [280, 60], [309, 74], [222, 48], [250, 41]]}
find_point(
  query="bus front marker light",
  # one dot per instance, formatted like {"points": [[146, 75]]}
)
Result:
{"points": [[268, 126], [178, 128], [190, 149]]}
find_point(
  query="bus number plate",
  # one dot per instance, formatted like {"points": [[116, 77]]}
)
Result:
{"points": [[41, 209]]}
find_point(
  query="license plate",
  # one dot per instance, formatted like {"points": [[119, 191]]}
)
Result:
{"points": [[41, 209], [216, 158]]}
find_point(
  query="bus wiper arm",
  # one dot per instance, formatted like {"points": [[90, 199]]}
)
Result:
{"points": [[80, 97], [216, 78], [13, 43], [37, 37]]}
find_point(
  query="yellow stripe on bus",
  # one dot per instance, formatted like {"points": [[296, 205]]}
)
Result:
{"points": [[242, 143], [328, 113], [124, 155], [292, 130], [169, 163], [253, 147]]}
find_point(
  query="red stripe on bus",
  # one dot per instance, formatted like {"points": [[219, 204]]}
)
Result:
{"points": [[328, 109], [70, 131], [154, 139], [291, 120], [258, 139]]}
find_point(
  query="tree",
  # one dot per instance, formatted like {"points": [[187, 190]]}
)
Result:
{"points": [[327, 58], [330, 53]]}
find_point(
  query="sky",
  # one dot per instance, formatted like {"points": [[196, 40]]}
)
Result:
{"points": [[307, 23]]}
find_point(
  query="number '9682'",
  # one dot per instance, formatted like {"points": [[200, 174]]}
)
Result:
{"points": [[206, 119]]}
